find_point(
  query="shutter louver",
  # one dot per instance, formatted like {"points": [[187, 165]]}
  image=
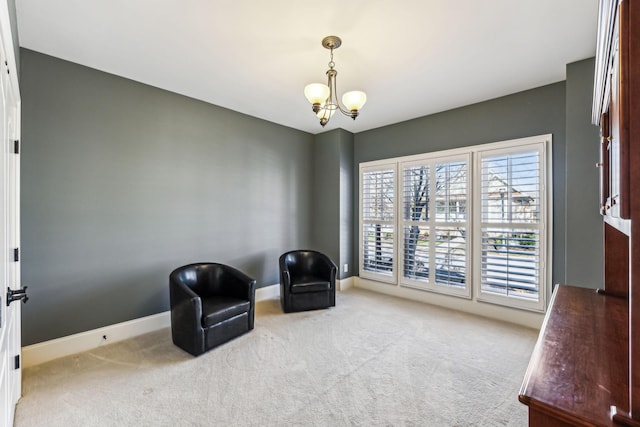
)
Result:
{"points": [[511, 224], [378, 230]]}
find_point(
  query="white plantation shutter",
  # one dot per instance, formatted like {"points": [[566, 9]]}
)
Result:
{"points": [[451, 198], [451, 256], [510, 262], [511, 229], [415, 221], [378, 222], [471, 222], [417, 253], [435, 199], [511, 187], [378, 243]]}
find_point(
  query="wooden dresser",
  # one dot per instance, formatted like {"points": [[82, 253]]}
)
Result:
{"points": [[585, 368]]}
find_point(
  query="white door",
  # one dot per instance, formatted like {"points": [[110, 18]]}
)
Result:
{"points": [[10, 342]]}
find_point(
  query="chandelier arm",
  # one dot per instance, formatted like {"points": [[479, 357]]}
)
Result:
{"points": [[333, 93], [344, 111]]}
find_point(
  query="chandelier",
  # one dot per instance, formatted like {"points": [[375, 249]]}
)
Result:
{"points": [[323, 98]]}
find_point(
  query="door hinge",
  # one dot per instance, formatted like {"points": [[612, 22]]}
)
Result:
{"points": [[16, 254], [16, 146], [16, 362]]}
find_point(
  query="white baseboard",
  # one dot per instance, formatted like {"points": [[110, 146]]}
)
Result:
{"points": [[268, 292], [345, 284], [49, 350], [519, 317]]}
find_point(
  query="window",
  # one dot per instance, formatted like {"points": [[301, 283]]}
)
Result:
{"points": [[377, 199], [435, 247], [510, 239], [467, 222]]}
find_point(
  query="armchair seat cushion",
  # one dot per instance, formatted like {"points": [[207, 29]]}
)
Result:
{"points": [[304, 284], [220, 308]]}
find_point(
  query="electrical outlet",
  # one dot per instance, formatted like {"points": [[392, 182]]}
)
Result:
{"points": [[346, 268]]}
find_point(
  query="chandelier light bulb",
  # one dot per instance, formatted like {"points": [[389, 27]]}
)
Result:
{"points": [[326, 112], [354, 100], [316, 93]]}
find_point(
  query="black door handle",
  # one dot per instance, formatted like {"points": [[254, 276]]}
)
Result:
{"points": [[17, 295]]}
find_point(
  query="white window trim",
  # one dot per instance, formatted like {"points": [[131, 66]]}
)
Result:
{"points": [[474, 266]]}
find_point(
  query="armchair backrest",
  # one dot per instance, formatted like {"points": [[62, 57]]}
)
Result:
{"points": [[205, 279], [304, 262]]}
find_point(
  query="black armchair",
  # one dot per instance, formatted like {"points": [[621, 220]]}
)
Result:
{"points": [[210, 304], [307, 281]]}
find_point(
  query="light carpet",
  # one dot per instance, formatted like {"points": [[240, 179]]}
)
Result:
{"points": [[373, 360]]}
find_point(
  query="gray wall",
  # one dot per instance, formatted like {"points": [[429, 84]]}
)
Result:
{"points": [[584, 224], [533, 112], [122, 182], [333, 197], [347, 174], [326, 194]]}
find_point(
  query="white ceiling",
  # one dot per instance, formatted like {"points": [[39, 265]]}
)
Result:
{"points": [[412, 57]]}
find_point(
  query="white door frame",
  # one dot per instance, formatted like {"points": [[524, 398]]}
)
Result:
{"points": [[10, 337]]}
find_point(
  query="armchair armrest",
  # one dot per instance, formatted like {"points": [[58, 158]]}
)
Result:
{"points": [[282, 263], [241, 285], [286, 278], [327, 268], [186, 317], [185, 303]]}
